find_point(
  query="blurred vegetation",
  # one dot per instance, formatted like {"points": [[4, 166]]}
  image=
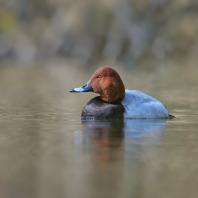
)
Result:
{"points": [[137, 32]]}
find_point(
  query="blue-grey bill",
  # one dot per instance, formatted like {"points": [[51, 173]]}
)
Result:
{"points": [[85, 88]]}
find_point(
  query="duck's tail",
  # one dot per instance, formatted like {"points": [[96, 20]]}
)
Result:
{"points": [[171, 116]]}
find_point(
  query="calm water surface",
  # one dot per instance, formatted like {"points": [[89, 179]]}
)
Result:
{"points": [[47, 151]]}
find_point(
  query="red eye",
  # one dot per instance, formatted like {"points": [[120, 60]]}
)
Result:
{"points": [[99, 76]]}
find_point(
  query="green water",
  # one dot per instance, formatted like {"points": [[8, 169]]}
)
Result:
{"points": [[47, 151]]}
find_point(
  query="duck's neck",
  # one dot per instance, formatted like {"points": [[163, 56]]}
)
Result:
{"points": [[112, 96]]}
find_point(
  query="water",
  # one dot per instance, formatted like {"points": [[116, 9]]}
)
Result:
{"points": [[47, 151]]}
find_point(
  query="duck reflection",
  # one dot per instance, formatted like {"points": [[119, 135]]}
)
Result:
{"points": [[105, 132], [106, 138], [109, 140], [143, 128]]}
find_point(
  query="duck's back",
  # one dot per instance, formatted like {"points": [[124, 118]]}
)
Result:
{"points": [[139, 105]]}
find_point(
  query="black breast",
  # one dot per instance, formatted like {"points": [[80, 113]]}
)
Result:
{"points": [[96, 108]]}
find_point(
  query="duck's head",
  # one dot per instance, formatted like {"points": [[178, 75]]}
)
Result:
{"points": [[107, 82]]}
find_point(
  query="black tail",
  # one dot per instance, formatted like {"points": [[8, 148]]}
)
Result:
{"points": [[171, 116]]}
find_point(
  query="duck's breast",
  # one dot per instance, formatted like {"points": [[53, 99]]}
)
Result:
{"points": [[139, 105]]}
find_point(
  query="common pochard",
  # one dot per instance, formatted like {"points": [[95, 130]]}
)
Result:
{"points": [[116, 102]]}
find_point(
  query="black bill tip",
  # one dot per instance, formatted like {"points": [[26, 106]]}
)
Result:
{"points": [[72, 91]]}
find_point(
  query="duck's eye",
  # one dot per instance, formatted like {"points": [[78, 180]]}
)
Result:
{"points": [[99, 76]]}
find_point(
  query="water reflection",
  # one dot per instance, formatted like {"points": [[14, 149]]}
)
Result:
{"points": [[112, 155], [107, 130], [140, 128], [104, 138]]}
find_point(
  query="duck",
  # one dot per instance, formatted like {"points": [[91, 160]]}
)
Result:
{"points": [[114, 101]]}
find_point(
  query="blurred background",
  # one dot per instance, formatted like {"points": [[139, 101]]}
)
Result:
{"points": [[48, 47], [138, 33]]}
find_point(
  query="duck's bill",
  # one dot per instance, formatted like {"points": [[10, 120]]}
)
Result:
{"points": [[85, 88]]}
